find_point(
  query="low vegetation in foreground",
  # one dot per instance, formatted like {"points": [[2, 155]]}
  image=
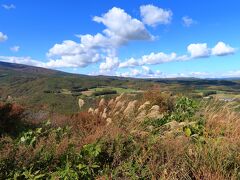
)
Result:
{"points": [[157, 136]]}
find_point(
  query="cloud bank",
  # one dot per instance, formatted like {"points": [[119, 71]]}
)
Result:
{"points": [[120, 29], [195, 50]]}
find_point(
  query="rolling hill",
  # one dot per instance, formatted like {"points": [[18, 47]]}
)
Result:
{"points": [[39, 87]]}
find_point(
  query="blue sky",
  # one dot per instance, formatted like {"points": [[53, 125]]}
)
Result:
{"points": [[160, 38]]}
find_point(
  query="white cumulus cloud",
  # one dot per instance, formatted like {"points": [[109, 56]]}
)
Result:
{"points": [[129, 63], [187, 21], [66, 48], [121, 25], [222, 49], [158, 58], [143, 72], [151, 59], [96, 41], [109, 65], [131, 73], [78, 60], [3, 37], [72, 54], [198, 50], [152, 15]]}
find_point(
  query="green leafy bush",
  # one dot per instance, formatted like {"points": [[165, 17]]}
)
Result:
{"points": [[184, 109], [208, 93]]}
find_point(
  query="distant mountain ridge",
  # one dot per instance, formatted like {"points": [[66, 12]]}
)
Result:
{"points": [[5, 66]]}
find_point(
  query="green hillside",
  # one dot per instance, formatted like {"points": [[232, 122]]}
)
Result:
{"points": [[58, 91]]}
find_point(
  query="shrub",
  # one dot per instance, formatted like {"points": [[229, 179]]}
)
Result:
{"points": [[11, 120], [207, 93], [104, 92], [79, 89], [163, 100], [184, 109]]}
